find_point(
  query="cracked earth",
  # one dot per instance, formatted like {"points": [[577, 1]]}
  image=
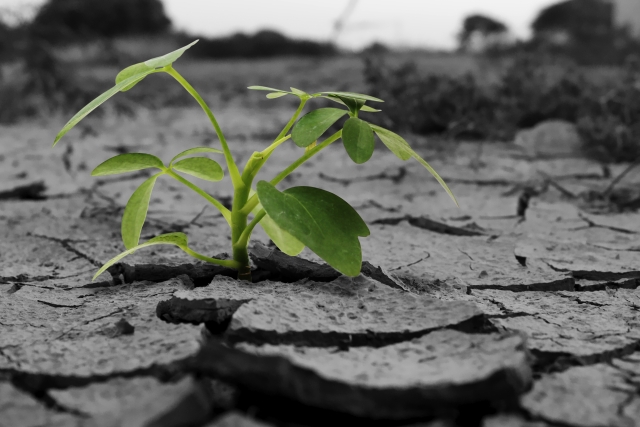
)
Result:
{"points": [[520, 308]]}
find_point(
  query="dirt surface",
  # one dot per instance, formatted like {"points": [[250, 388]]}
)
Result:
{"points": [[520, 308]]}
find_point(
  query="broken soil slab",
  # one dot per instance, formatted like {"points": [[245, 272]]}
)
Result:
{"points": [[200, 273], [588, 396], [236, 419], [628, 222], [20, 409], [72, 337], [511, 420], [285, 268], [423, 377], [583, 285], [139, 402], [544, 217], [478, 262], [269, 264], [29, 258], [351, 312], [580, 260], [567, 327]]}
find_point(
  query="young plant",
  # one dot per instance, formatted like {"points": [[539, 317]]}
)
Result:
{"points": [[293, 218]]}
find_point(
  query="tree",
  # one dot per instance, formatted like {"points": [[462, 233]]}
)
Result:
{"points": [[64, 20], [582, 21], [483, 30]]}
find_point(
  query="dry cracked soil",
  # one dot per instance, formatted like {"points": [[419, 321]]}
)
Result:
{"points": [[520, 308]]}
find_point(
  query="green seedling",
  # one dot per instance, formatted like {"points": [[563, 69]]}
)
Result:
{"points": [[295, 218]]}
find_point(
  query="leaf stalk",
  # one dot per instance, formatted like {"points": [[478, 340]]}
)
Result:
{"points": [[223, 210], [231, 164]]}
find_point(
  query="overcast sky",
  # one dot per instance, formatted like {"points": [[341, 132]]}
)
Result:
{"points": [[424, 23]]}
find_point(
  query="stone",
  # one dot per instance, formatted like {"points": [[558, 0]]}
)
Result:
{"points": [[351, 312], [551, 138]]}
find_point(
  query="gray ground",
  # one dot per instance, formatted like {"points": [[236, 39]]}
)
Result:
{"points": [[479, 316]]}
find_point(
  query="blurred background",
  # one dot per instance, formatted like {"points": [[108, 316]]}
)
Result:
{"points": [[457, 70]]}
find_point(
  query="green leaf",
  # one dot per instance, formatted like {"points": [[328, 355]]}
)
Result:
{"points": [[169, 58], [195, 150], [177, 239], [403, 150], [200, 167], [136, 70], [143, 69], [298, 92], [394, 142], [365, 108], [283, 240], [353, 95], [135, 213], [93, 105], [128, 162], [321, 221], [368, 109], [354, 105], [311, 127], [125, 80], [270, 89], [358, 140], [274, 95]]}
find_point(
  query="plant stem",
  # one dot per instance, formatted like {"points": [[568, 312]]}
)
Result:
{"points": [[246, 234], [231, 165], [288, 126], [253, 202], [254, 164], [258, 159], [223, 262], [238, 226], [240, 231], [223, 210], [267, 151], [306, 156]]}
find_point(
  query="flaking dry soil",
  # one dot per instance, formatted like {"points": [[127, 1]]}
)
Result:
{"points": [[520, 308]]}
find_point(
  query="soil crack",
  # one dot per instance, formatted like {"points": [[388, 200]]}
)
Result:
{"points": [[66, 244], [33, 191], [432, 225], [396, 178]]}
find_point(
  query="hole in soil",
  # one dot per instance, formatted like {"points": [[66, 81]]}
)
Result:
{"points": [[270, 264]]}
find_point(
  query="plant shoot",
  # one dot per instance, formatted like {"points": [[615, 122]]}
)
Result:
{"points": [[295, 218]]}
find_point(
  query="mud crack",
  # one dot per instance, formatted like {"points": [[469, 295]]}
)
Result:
{"points": [[33, 191], [432, 225], [396, 178]]}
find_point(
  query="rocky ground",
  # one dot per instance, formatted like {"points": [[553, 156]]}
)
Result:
{"points": [[520, 308]]}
